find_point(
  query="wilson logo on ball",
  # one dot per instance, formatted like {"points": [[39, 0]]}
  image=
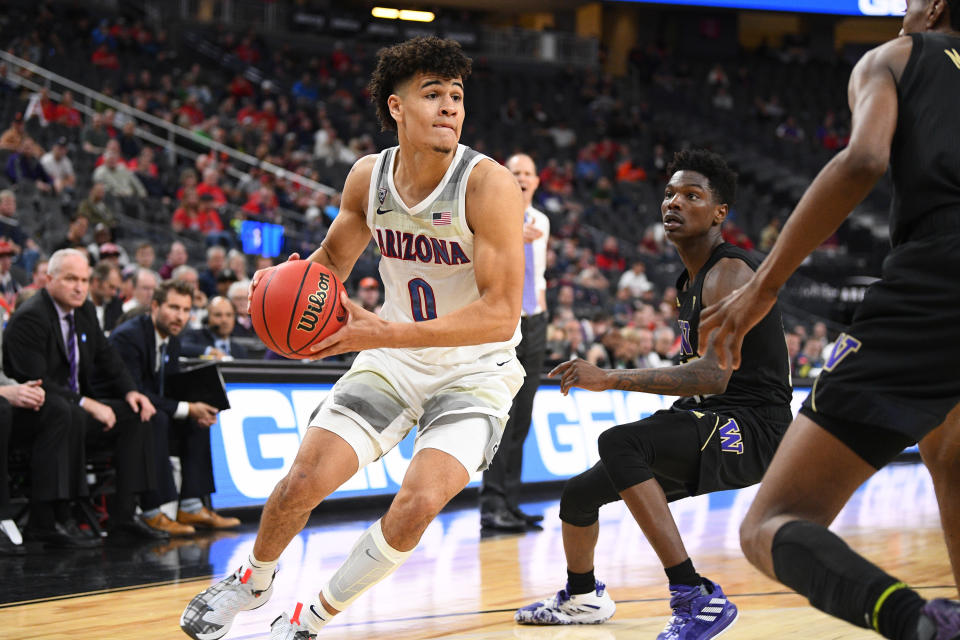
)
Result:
{"points": [[315, 304]]}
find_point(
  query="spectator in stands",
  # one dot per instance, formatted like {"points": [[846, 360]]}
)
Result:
{"points": [[39, 277], [76, 233], [198, 310], [23, 167], [237, 262], [104, 286], [666, 346], [635, 280], [66, 114], [216, 261], [211, 186], [769, 234], [95, 207], [810, 361], [214, 341], [790, 131], [9, 285], [129, 144], [117, 179], [95, 137], [12, 139], [23, 396], [34, 350], [144, 283], [722, 99], [146, 170], [368, 294], [104, 58], [196, 215], [176, 256], [794, 343], [145, 256], [150, 347], [59, 167], [609, 259], [239, 294], [262, 203]]}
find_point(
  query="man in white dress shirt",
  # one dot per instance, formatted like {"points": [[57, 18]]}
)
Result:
{"points": [[499, 493]]}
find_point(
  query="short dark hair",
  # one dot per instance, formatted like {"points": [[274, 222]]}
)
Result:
{"points": [[722, 179], [402, 61], [178, 286], [102, 271]]}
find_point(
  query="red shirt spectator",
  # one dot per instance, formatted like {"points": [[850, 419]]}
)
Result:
{"points": [[105, 59], [193, 112], [247, 52], [261, 202], [240, 87], [195, 215], [216, 194], [66, 114]]}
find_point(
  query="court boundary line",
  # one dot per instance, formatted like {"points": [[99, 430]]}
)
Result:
{"points": [[100, 592]]}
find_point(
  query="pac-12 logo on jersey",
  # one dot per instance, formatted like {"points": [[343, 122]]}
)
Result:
{"points": [[844, 346], [381, 194]]}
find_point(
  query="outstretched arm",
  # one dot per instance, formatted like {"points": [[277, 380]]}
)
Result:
{"points": [[698, 377], [839, 187]]}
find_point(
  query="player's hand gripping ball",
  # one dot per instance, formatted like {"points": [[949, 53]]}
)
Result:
{"points": [[296, 305]]}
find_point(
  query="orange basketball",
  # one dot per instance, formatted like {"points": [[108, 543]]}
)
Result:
{"points": [[296, 305]]}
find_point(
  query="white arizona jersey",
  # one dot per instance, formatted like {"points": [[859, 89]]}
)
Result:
{"points": [[426, 253]]}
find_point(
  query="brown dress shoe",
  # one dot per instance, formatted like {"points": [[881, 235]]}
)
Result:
{"points": [[207, 518], [162, 523]]}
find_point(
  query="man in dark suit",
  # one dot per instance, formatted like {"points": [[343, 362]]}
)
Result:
{"points": [[150, 347], [54, 337], [104, 284], [214, 340]]}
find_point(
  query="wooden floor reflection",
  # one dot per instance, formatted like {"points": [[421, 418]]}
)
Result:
{"points": [[459, 586]]}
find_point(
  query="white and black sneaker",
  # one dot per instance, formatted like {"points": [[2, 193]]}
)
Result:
{"points": [[210, 614], [290, 628], [594, 607]]}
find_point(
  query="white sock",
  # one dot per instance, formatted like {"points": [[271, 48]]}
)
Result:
{"points": [[371, 560], [261, 572], [315, 615]]}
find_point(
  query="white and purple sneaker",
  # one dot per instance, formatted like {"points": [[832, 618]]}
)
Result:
{"points": [[594, 607], [699, 613], [939, 620]]}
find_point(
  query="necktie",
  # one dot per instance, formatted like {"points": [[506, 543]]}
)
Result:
{"points": [[163, 364], [529, 277], [72, 353]]}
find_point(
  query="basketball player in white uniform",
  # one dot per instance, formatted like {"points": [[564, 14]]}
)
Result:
{"points": [[438, 358]]}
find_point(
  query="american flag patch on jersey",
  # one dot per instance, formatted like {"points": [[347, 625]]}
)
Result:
{"points": [[441, 217]]}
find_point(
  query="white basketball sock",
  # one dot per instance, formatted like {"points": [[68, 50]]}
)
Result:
{"points": [[316, 615], [261, 572], [370, 561]]}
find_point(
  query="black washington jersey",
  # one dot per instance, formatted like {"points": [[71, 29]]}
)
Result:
{"points": [[763, 379], [924, 157]]}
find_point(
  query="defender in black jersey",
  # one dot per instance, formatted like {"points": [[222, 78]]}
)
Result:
{"points": [[892, 378], [721, 435]]}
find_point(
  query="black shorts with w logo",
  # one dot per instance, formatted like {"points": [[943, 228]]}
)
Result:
{"points": [[892, 377]]}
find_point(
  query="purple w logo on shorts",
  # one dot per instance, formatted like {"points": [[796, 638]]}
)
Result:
{"points": [[730, 439]]}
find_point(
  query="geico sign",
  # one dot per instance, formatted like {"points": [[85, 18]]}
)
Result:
{"points": [[262, 431]]}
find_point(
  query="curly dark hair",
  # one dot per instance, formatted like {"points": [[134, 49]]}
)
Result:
{"points": [[402, 61], [722, 179]]}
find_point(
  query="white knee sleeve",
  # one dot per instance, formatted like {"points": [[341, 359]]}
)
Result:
{"points": [[370, 561]]}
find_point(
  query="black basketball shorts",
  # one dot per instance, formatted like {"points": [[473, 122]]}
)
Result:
{"points": [[893, 377]]}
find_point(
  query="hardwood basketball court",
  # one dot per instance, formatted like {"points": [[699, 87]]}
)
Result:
{"points": [[458, 585]]}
